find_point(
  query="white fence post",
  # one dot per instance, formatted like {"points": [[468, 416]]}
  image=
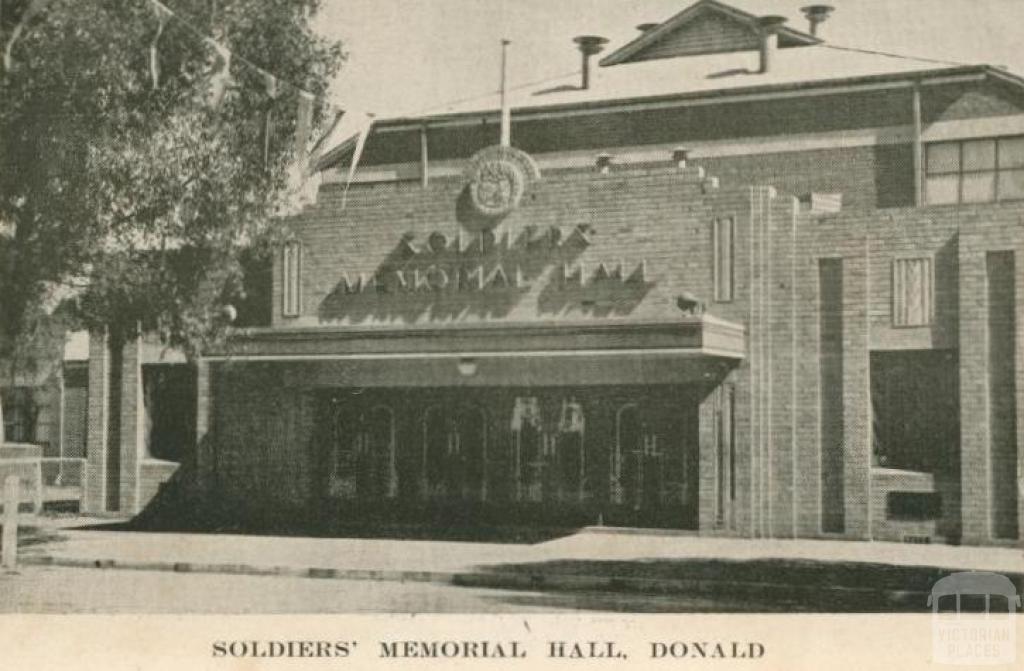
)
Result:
{"points": [[40, 487], [10, 530]]}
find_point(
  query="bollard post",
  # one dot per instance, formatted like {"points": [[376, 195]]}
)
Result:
{"points": [[10, 521]]}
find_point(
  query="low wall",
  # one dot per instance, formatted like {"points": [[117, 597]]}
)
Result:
{"points": [[152, 474], [25, 462], [887, 526]]}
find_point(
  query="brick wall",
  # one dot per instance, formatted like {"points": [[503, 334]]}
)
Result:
{"points": [[258, 452], [659, 217], [663, 216], [952, 102], [867, 177], [957, 239], [116, 455]]}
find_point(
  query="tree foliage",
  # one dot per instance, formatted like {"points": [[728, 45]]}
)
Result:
{"points": [[127, 203]]}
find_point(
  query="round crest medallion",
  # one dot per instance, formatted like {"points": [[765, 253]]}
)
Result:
{"points": [[498, 177]]}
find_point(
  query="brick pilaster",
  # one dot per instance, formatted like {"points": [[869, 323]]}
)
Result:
{"points": [[781, 378], [132, 436], [707, 465], [974, 408], [857, 395], [94, 495], [204, 437]]}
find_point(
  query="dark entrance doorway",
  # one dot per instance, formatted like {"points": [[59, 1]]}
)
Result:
{"points": [[548, 456]]}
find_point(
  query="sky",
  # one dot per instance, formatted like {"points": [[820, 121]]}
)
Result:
{"points": [[412, 56]]}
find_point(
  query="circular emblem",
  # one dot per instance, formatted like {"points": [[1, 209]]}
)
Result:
{"points": [[498, 177], [497, 188]]}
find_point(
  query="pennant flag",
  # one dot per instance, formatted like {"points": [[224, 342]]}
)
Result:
{"points": [[220, 79], [270, 86], [269, 83], [163, 14], [303, 125], [34, 7], [356, 155], [318, 146], [300, 170]]}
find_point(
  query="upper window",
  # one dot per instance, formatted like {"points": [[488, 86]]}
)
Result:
{"points": [[913, 292], [974, 171], [20, 413]]}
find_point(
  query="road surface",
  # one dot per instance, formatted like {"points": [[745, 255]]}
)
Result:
{"points": [[74, 590]]}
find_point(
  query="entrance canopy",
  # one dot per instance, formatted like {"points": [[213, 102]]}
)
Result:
{"points": [[685, 351]]}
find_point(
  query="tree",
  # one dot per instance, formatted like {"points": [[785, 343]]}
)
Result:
{"points": [[132, 186]]}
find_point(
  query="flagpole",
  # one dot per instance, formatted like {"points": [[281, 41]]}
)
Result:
{"points": [[506, 110]]}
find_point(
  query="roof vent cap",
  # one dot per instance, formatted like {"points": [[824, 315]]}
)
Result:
{"points": [[589, 45], [771, 23], [817, 15]]}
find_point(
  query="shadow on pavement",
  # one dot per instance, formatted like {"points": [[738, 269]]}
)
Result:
{"points": [[717, 585], [429, 530]]}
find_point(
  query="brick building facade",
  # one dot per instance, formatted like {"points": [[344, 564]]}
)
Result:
{"points": [[741, 282]]}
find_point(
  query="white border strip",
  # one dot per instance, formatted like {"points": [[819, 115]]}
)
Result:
{"points": [[404, 356], [627, 155], [996, 126]]}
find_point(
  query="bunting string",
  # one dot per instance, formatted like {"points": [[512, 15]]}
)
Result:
{"points": [[163, 14], [34, 7], [220, 81], [270, 87], [303, 124]]}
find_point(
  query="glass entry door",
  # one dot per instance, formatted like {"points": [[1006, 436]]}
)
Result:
{"points": [[653, 465], [454, 453], [363, 458]]}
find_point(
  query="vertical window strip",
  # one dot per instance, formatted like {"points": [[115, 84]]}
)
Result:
{"points": [[291, 267], [724, 253]]}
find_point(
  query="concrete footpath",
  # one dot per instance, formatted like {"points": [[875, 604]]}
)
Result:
{"points": [[487, 564]]}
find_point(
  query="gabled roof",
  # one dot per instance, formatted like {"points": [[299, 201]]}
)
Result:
{"points": [[709, 77], [706, 27], [718, 75]]}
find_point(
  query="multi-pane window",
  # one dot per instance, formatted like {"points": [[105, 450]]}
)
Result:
{"points": [[974, 171], [20, 413], [724, 252], [291, 261], [913, 292]]}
